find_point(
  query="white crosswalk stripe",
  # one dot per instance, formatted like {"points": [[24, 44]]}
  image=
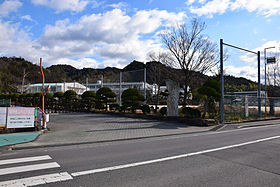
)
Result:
{"points": [[33, 167], [26, 159], [30, 181], [37, 180]]}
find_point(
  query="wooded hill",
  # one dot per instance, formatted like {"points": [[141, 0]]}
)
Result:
{"points": [[13, 70]]}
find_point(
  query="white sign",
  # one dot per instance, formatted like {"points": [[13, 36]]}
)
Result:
{"points": [[3, 116], [47, 117], [20, 117]]}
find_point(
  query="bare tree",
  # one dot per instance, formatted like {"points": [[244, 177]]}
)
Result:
{"points": [[158, 72], [192, 51], [273, 72], [23, 79], [273, 82], [162, 57]]}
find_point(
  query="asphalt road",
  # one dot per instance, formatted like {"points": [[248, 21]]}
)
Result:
{"points": [[241, 157]]}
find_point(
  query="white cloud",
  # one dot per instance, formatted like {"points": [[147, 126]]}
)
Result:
{"points": [[249, 69], [248, 72], [98, 40], [16, 42], [252, 59], [80, 63], [263, 7], [212, 7], [189, 2], [119, 5], [27, 17], [112, 35], [63, 5], [96, 3], [9, 6]]}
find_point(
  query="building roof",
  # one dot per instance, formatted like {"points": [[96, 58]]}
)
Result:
{"points": [[53, 84]]}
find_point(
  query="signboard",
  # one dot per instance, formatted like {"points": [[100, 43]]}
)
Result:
{"points": [[20, 117], [3, 116], [270, 60]]}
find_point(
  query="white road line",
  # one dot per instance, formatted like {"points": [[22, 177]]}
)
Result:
{"points": [[168, 158], [26, 159], [222, 132], [32, 181], [33, 167], [243, 129]]}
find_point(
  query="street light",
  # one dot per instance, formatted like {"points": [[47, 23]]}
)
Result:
{"points": [[265, 62]]}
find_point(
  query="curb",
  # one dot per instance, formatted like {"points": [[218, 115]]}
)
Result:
{"points": [[257, 125], [4, 149], [104, 141], [218, 127], [254, 120]]}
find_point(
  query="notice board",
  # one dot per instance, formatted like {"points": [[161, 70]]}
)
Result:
{"points": [[20, 117]]}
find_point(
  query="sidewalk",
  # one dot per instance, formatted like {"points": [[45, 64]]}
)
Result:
{"points": [[16, 138], [83, 128]]}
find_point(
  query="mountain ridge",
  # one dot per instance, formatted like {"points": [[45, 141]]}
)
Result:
{"points": [[12, 71]]}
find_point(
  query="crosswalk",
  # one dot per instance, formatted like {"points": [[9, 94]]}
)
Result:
{"points": [[26, 164]]}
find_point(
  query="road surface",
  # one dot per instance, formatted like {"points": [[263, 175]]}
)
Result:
{"points": [[240, 157]]}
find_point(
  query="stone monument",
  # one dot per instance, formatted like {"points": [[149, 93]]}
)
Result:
{"points": [[173, 98]]}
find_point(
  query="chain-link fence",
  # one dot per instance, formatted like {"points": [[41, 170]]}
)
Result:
{"points": [[5, 102], [246, 107]]}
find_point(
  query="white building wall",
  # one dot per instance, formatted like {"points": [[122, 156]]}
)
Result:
{"points": [[57, 87], [115, 87]]}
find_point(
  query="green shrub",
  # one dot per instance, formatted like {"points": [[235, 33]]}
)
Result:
{"points": [[132, 99], [191, 112], [114, 106], [123, 108], [163, 111], [145, 109], [100, 106]]}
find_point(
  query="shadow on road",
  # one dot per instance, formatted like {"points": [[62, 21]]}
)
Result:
{"points": [[157, 126]]}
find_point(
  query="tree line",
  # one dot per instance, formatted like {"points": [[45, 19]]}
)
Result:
{"points": [[103, 100]]}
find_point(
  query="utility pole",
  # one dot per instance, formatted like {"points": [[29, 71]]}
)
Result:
{"points": [[43, 94], [259, 85], [120, 91], [265, 63], [222, 82], [145, 79]]}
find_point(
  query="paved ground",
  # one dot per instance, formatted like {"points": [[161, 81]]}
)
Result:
{"points": [[240, 157], [78, 128]]}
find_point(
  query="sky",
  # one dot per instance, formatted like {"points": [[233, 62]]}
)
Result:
{"points": [[101, 33]]}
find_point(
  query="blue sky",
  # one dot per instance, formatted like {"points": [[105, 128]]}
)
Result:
{"points": [[101, 33]]}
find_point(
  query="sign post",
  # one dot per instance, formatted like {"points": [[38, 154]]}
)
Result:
{"points": [[43, 94], [267, 60]]}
